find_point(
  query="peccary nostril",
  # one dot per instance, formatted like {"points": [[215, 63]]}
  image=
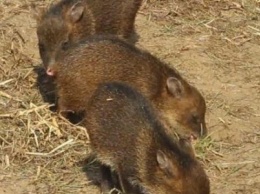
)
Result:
{"points": [[50, 71]]}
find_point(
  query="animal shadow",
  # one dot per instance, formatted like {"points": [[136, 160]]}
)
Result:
{"points": [[47, 88]]}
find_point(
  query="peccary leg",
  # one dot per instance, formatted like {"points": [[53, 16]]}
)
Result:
{"points": [[122, 182], [106, 179], [125, 186]]}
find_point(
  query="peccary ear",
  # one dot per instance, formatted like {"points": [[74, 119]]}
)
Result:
{"points": [[175, 87], [76, 12], [166, 164], [162, 160]]}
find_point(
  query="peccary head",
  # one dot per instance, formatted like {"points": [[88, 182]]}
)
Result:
{"points": [[178, 176], [56, 30], [183, 103]]}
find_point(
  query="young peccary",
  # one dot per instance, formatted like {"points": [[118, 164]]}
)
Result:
{"points": [[126, 135], [72, 20], [100, 59]]}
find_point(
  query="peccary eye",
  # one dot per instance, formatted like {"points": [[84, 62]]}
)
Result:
{"points": [[65, 45], [195, 119]]}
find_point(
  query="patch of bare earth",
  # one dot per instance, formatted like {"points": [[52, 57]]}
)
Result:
{"points": [[214, 44]]}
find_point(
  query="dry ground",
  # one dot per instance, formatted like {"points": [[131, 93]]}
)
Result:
{"points": [[215, 44]]}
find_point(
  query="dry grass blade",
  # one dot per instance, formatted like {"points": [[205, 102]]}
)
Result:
{"points": [[3, 83], [5, 95], [51, 153]]}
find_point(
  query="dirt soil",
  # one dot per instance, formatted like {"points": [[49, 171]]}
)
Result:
{"points": [[215, 44]]}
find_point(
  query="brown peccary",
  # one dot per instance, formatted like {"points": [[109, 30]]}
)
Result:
{"points": [[71, 20], [126, 135], [100, 59]]}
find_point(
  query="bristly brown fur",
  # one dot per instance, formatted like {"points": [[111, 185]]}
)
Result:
{"points": [[126, 135], [70, 21], [101, 58]]}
